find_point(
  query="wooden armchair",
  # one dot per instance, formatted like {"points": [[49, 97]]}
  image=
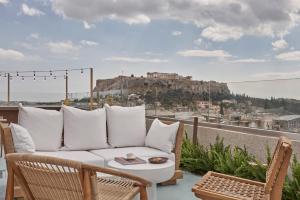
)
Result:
{"points": [[51, 178], [216, 186]]}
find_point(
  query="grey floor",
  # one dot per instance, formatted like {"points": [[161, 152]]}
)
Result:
{"points": [[181, 191]]}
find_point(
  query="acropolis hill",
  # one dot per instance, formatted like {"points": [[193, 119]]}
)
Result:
{"points": [[161, 82]]}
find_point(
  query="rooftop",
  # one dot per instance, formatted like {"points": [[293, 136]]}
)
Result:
{"points": [[288, 117]]}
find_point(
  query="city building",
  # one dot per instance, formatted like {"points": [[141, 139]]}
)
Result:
{"points": [[287, 123], [203, 104], [171, 76]]}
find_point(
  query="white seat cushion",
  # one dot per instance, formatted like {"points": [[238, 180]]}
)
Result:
{"points": [[110, 154], [126, 126], [84, 130], [81, 156]]}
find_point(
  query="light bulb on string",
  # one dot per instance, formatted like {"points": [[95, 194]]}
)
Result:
{"points": [[33, 73], [22, 78], [81, 71], [17, 73], [50, 73], [34, 78]]}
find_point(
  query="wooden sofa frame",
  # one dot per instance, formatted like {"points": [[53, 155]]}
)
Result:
{"points": [[7, 142]]}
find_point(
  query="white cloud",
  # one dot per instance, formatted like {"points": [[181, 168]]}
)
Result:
{"points": [[198, 41], [279, 44], [278, 75], [87, 25], [219, 33], [35, 35], [135, 19], [219, 20], [135, 60], [149, 53], [248, 60], [205, 53], [89, 43], [64, 47], [176, 33], [4, 1], [9, 54], [26, 45], [26, 10], [289, 56]]}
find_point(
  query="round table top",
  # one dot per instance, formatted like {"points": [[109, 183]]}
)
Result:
{"points": [[154, 172], [146, 166]]}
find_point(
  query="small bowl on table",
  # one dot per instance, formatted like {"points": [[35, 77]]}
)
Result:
{"points": [[158, 160]]}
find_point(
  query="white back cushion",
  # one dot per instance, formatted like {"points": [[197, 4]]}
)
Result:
{"points": [[23, 142], [126, 126], [84, 130], [162, 136], [44, 126]]}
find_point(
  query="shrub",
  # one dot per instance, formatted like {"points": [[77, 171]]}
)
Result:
{"points": [[235, 161]]}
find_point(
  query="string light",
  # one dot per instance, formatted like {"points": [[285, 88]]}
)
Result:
{"points": [[40, 74], [46, 71]]}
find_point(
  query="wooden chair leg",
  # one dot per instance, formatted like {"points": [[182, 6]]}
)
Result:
{"points": [[10, 185], [143, 194]]}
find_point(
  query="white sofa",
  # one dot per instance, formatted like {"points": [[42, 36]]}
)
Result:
{"points": [[102, 156]]}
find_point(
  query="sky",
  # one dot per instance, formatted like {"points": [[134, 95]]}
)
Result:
{"points": [[222, 40]]}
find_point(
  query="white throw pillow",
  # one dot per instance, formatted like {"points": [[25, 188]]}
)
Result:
{"points": [[23, 142], [162, 136], [126, 126], [44, 126], [84, 130]]}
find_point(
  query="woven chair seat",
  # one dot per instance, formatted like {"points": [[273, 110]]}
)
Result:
{"points": [[115, 188], [222, 185]]}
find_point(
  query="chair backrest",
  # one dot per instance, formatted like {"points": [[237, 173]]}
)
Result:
{"points": [[6, 138], [47, 178], [278, 168]]}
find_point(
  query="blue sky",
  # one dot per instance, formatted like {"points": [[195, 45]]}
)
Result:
{"points": [[222, 40]]}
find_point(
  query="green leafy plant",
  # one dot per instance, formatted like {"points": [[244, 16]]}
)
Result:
{"points": [[235, 161]]}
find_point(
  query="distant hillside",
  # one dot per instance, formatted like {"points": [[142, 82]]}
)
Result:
{"points": [[142, 85], [182, 91]]}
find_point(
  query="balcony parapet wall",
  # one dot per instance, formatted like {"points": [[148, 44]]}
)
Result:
{"points": [[255, 140]]}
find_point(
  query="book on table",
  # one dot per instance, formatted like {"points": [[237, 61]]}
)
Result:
{"points": [[125, 161]]}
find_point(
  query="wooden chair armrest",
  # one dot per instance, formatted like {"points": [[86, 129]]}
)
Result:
{"points": [[141, 181]]}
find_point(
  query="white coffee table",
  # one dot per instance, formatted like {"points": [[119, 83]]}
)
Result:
{"points": [[156, 173]]}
